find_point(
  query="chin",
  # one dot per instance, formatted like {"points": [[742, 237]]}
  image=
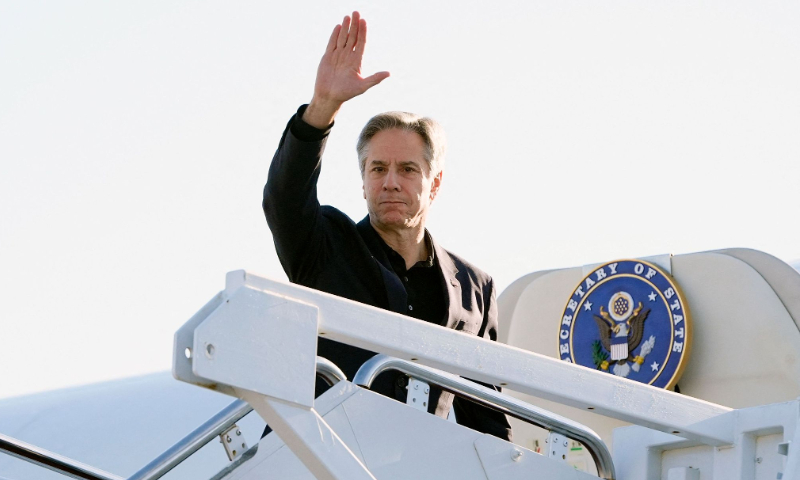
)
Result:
{"points": [[393, 221]]}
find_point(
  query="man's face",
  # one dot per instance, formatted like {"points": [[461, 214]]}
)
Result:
{"points": [[398, 184]]}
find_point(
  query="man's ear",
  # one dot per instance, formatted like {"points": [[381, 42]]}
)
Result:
{"points": [[437, 182], [363, 189]]}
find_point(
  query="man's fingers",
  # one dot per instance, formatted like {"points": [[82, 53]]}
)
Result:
{"points": [[342, 38], [352, 37], [332, 41], [377, 78], [362, 37]]}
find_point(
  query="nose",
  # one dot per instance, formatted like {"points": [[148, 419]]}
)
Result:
{"points": [[390, 181]]}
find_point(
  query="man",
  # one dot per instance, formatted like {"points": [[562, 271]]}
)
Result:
{"points": [[388, 259]]}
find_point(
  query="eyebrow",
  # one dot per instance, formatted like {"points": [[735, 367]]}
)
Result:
{"points": [[402, 164], [410, 163]]}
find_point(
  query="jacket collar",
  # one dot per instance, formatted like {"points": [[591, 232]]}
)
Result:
{"points": [[451, 285]]}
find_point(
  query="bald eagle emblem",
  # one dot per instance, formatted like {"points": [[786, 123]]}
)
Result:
{"points": [[621, 329]]}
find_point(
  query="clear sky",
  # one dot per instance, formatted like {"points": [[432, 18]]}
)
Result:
{"points": [[135, 139]]}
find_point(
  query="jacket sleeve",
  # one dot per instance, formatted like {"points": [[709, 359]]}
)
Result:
{"points": [[290, 198], [472, 415]]}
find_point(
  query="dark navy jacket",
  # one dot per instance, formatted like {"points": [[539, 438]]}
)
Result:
{"points": [[322, 248]]}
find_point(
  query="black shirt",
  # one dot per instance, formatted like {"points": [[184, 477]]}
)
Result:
{"points": [[423, 283]]}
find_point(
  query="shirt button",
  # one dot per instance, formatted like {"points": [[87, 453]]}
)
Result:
{"points": [[405, 279], [411, 307]]}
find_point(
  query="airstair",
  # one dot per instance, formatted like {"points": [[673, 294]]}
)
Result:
{"points": [[256, 341]]}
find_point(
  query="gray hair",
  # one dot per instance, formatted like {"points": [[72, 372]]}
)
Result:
{"points": [[429, 129]]}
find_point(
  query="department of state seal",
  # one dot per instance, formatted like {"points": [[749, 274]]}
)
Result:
{"points": [[627, 318]]}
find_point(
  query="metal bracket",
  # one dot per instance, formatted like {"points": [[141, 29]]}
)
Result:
{"points": [[418, 393], [557, 446], [783, 448], [233, 441]]}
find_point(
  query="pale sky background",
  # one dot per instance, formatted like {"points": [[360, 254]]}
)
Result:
{"points": [[135, 139]]}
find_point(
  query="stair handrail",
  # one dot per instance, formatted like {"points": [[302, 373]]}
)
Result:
{"points": [[215, 425], [52, 461], [495, 400]]}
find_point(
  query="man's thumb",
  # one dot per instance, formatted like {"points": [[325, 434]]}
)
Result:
{"points": [[377, 78]]}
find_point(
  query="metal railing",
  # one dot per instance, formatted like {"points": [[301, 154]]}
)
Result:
{"points": [[52, 461], [215, 426], [497, 401], [329, 372], [168, 460], [194, 441]]}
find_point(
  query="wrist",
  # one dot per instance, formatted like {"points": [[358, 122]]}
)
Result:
{"points": [[320, 113]]}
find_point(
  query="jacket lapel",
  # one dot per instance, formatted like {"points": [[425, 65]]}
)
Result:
{"points": [[455, 311], [396, 295]]}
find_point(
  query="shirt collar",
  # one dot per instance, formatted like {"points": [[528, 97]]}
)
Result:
{"points": [[431, 252], [396, 259]]}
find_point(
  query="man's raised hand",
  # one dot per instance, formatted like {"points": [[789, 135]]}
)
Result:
{"points": [[339, 73]]}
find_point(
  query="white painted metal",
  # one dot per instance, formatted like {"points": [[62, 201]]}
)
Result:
{"points": [[782, 278], [557, 446], [644, 454], [275, 460], [383, 434], [399, 443], [309, 437], [511, 406], [256, 331], [355, 324], [502, 461], [261, 347], [305, 432], [418, 393], [183, 348]]}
